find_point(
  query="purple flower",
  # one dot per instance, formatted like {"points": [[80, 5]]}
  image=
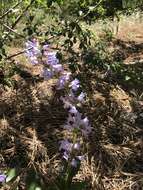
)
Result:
{"points": [[46, 47], [73, 110], [85, 126], [66, 146], [66, 156], [70, 123], [76, 122], [34, 60], [63, 80], [57, 68], [66, 102], [75, 84], [80, 98], [32, 48], [2, 178], [74, 162], [47, 73], [85, 122], [80, 157], [33, 51], [61, 83], [52, 59], [76, 146], [66, 75], [73, 122]]}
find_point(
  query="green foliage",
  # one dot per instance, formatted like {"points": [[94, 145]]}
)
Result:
{"points": [[33, 181], [11, 175], [65, 181]]}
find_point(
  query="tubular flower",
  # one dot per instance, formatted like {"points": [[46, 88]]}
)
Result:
{"points": [[75, 84], [57, 68], [66, 102], [73, 110], [2, 178], [80, 98], [52, 59], [66, 146], [33, 51], [66, 156], [47, 73], [75, 123], [45, 50], [63, 80], [74, 162]]}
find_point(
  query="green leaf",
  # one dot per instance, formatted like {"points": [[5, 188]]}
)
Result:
{"points": [[72, 171], [34, 186], [11, 175]]}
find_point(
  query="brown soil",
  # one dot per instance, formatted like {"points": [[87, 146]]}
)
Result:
{"points": [[31, 119]]}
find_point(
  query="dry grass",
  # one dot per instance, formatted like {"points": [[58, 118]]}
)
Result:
{"points": [[31, 118]]}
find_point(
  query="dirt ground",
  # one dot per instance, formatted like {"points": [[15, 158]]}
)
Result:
{"points": [[31, 119]]}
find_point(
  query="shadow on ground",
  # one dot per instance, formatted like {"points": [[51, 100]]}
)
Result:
{"points": [[32, 119], [31, 124]]}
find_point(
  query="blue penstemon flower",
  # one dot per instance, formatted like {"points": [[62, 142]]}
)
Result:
{"points": [[33, 51], [75, 84], [52, 59], [47, 73], [78, 126], [2, 178]]}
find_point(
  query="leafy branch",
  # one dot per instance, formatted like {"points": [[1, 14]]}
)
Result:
{"points": [[18, 19], [10, 10]]}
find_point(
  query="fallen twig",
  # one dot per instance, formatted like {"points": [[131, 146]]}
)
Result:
{"points": [[12, 30], [18, 53]]}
